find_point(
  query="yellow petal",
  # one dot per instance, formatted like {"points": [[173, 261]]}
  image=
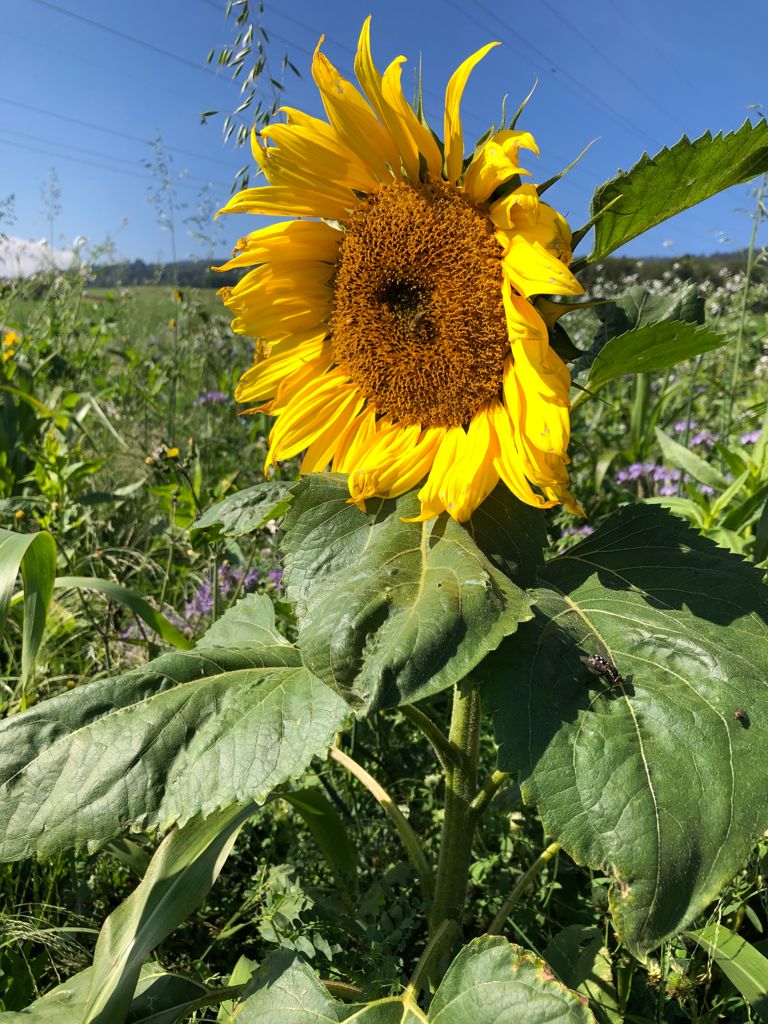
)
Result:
{"points": [[290, 241], [353, 119], [496, 163], [308, 414], [306, 155], [430, 494], [354, 438], [386, 97], [454, 139], [516, 211], [393, 461], [298, 381], [534, 271], [470, 480], [529, 341], [321, 451], [508, 461], [263, 379], [542, 428], [287, 201], [522, 212], [423, 139]]}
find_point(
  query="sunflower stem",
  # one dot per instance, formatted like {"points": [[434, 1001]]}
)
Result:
{"points": [[459, 822]]}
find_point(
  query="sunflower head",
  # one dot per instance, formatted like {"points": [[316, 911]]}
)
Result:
{"points": [[397, 340]]}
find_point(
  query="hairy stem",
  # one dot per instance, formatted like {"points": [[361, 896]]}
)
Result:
{"points": [[488, 791], [407, 835], [459, 822], [447, 754], [519, 888]]}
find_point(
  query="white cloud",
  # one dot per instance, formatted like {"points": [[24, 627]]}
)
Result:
{"points": [[20, 257]]}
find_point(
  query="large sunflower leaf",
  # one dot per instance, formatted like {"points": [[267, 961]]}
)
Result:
{"points": [[659, 780], [492, 980], [511, 533], [186, 734], [390, 611], [674, 180], [489, 981]]}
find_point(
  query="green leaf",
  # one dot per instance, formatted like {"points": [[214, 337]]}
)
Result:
{"points": [[684, 507], [656, 781], [250, 621], [742, 964], [675, 179], [123, 595], [761, 535], [747, 510], [683, 458], [186, 734], [178, 879], [511, 534], [156, 993], [392, 1010], [241, 974], [390, 611], [647, 349], [492, 980], [284, 990], [328, 830], [35, 555], [579, 957], [638, 307], [245, 511]]}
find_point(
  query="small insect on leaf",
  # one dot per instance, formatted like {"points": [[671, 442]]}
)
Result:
{"points": [[604, 668], [741, 716]]}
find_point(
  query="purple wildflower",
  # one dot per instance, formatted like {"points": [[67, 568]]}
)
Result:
{"points": [[704, 439], [683, 425], [633, 472], [212, 397], [276, 577], [578, 531], [751, 437], [201, 603]]}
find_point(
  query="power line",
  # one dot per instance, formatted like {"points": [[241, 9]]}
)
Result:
{"points": [[92, 152], [609, 60], [125, 36], [607, 109], [73, 159], [111, 131]]}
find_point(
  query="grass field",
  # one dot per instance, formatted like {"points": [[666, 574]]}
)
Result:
{"points": [[117, 428]]}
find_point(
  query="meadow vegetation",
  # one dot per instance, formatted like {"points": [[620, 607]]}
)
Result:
{"points": [[118, 431]]}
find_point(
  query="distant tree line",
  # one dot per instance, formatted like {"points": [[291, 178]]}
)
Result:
{"points": [[198, 273], [184, 273]]}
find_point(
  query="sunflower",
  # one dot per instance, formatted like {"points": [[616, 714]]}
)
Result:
{"points": [[397, 337]]}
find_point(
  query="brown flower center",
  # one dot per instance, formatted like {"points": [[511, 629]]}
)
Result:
{"points": [[418, 321]]}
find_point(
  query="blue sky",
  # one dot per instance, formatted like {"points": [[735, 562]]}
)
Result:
{"points": [[88, 101]]}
